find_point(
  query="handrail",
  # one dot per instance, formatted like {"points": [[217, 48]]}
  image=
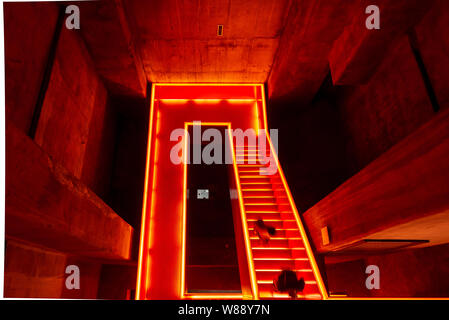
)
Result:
{"points": [[310, 255], [249, 254], [250, 260]]}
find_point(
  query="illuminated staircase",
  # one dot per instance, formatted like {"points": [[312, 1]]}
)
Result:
{"points": [[265, 197]]}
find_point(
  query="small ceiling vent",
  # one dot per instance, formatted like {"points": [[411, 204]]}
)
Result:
{"points": [[220, 30]]}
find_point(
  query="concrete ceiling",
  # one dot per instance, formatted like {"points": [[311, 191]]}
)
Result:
{"points": [[178, 40], [285, 43]]}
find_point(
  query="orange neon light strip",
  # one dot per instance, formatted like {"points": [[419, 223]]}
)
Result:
{"points": [[277, 238], [276, 248], [338, 297], [184, 214], [310, 255], [282, 259], [249, 254], [215, 296], [254, 287], [145, 198], [212, 84], [175, 101], [145, 214]]}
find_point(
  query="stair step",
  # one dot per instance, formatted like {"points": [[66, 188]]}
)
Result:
{"points": [[256, 169], [275, 223], [279, 233], [291, 264], [249, 185], [246, 162], [252, 165], [248, 158], [254, 179], [286, 297], [276, 242], [257, 192], [263, 204], [256, 242], [249, 153], [256, 156], [250, 214], [310, 288], [268, 293], [277, 253], [262, 264], [252, 155], [255, 176], [258, 199], [246, 171], [272, 281], [266, 273], [267, 277]]}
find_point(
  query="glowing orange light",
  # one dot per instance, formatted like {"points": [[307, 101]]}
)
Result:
{"points": [[310, 255], [215, 296], [184, 209], [205, 100], [254, 288], [145, 197], [249, 253], [148, 208], [174, 101], [212, 84], [338, 297]]}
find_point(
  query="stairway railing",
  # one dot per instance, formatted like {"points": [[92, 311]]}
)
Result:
{"points": [[244, 225], [307, 246]]}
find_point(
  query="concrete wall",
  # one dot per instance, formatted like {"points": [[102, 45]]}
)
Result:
{"points": [[25, 60], [409, 273], [348, 126], [434, 46], [38, 272], [311, 148], [393, 104], [57, 181]]}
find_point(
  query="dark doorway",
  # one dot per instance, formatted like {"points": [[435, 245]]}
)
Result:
{"points": [[211, 255]]}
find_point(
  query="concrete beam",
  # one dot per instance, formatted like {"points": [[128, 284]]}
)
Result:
{"points": [[105, 29], [406, 183], [301, 62], [47, 206], [36, 272], [358, 51]]}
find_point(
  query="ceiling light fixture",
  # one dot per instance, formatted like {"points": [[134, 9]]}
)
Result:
{"points": [[220, 30]]}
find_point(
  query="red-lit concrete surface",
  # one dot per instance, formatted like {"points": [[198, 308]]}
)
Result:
{"points": [[266, 197], [411, 181], [57, 182], [287, 44], [161, 257]]}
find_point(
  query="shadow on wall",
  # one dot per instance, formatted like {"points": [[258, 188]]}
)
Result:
{"points": [[415, 273]]}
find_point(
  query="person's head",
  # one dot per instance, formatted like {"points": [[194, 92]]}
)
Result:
{"points": [[301, 284]]}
